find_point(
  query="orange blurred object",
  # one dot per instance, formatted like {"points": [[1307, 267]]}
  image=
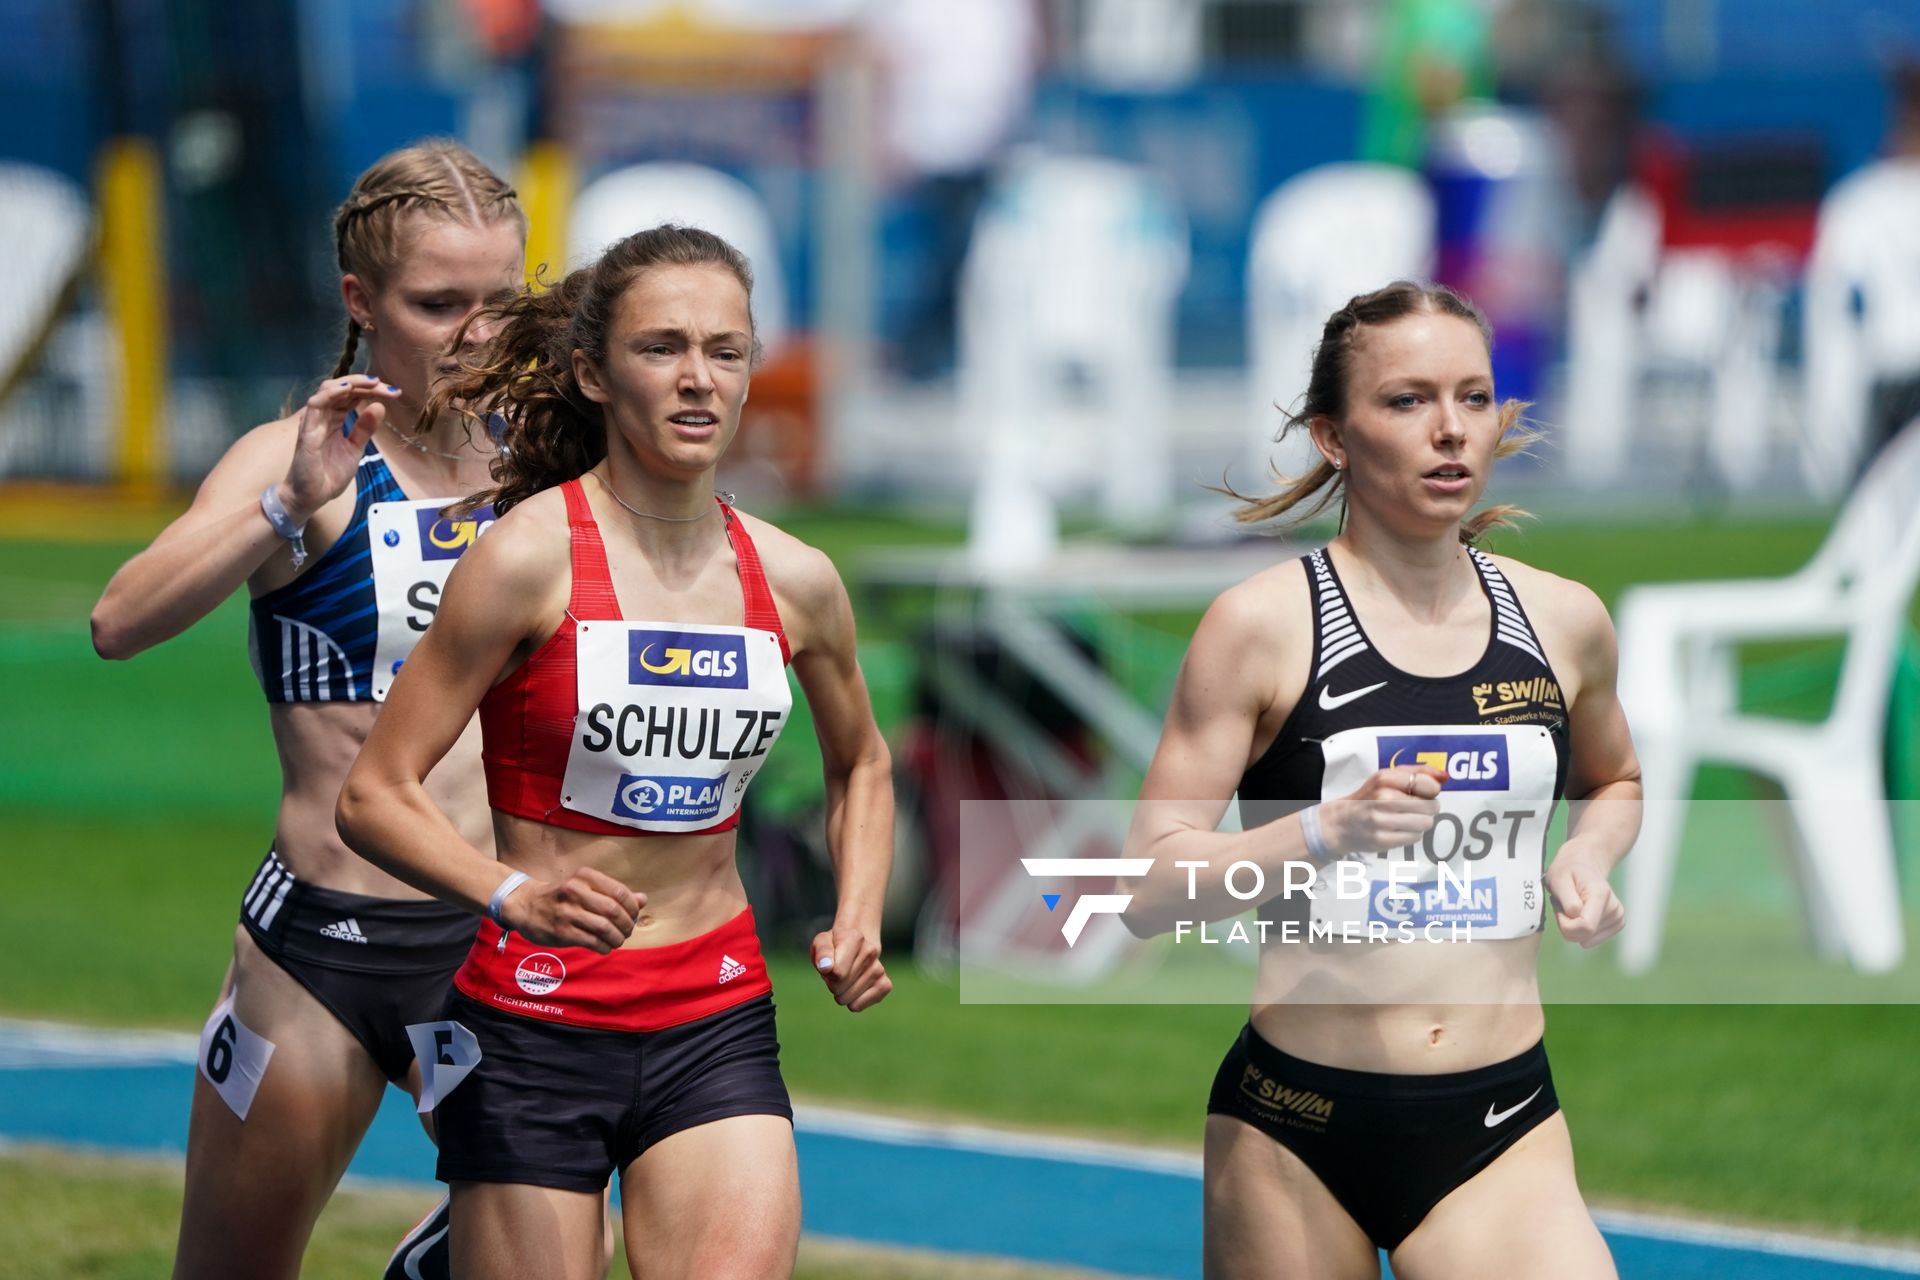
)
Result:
{"points": [[780, 428]]}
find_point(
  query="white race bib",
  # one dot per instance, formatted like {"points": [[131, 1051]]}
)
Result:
{"points": [[673, 721], [414, 549], [1490, 836], [233, 1058], [447, 1053]]}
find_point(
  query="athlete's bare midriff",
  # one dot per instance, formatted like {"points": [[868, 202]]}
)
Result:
{"points": [[1403, 1008], [691, 882], [317, 744]]}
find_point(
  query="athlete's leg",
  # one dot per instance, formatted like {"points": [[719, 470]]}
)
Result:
{"points": [[255, 1187], [1269, 1218], [719, 1201], [1521, 1216], [506, 1231], [437, 1219], [412, 1083]]}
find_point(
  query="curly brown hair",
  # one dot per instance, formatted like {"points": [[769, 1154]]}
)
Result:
{"points": [[522, 384]]}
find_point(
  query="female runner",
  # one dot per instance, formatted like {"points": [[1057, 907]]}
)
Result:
{"points": [[332, 518], [624, 633], [1400, 691]]}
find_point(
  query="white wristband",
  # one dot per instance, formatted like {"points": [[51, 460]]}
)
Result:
{"points": [[499, 898], [282, 522], [1316, 837]]}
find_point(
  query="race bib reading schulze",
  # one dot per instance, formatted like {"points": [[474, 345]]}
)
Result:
{"points": [[673, 721], [414, 549]]}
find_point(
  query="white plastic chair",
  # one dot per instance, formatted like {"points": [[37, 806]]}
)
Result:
{"points": [[639, 196], [1678, 683], [1320, 239], [1861, 318], [47, 226], [1066, 337]]}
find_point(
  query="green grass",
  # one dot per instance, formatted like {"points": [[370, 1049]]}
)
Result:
{"points": [[103, 1218], [136, 798]]}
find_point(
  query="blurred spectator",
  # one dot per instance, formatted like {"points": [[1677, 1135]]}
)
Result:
{"points": [[1860, 307], [1433, 55], [1895, 396], [958, 85], [1592, 99]]}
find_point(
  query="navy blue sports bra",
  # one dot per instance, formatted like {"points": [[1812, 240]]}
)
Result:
{"points": [[313, 639], [340, 631]]}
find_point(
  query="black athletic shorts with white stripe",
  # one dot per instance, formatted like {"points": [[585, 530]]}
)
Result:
{"points": [[377, 964], [1389, 1147], [551, 1105]]}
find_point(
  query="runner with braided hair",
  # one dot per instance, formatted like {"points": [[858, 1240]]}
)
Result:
{"points": [[333, 519]]}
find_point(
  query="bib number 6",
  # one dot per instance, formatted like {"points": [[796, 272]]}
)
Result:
{"points": [[233, 1058], [219, 1063]]}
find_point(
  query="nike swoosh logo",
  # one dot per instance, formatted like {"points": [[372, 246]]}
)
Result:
{"points": [[1330, 703], [1495, 1118]]}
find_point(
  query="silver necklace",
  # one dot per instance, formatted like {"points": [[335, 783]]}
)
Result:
{"points": [[415, 442], [721, 494]]}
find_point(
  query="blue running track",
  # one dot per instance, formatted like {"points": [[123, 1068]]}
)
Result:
{"points": [[1127, 1211]]}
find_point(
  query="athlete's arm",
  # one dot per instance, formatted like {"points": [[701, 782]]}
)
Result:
{"points": [[1603, 777], [224, 538], [859, 776], [505, 593], [1221, 694]]}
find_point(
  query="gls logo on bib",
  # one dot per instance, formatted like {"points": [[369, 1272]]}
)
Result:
{"points": [[444, 537], [662, 799], [1471, 761], [686, 659]]}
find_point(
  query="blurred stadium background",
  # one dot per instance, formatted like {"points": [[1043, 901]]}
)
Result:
{"points": [[1033, 275]]}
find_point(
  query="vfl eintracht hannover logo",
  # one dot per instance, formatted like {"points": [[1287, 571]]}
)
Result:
{"points": [[1085, 908]]}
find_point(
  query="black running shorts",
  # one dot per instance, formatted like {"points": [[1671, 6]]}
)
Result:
{"points": [[1389, 1147], [553, 1105], [377, 964]]}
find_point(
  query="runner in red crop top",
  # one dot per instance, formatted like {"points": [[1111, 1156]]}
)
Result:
{"points": [[527, 720], [625, 636]]}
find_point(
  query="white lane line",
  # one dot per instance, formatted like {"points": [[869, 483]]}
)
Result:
{"points": [[1655, 1226], [26, 1044], [898, 1132], [1021, 1145]]}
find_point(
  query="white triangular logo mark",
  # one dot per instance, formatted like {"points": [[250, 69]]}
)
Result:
{"points": [[730, 969]]}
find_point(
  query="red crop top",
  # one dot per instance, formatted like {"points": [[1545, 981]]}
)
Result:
{"points": [[527, 720]]}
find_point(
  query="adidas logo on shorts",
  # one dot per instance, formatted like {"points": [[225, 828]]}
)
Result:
{"points": [[346, 931], [730, 969]]}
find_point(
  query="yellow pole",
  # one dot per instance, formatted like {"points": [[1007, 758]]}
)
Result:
{"points": [[546, 193], [134, 280]]}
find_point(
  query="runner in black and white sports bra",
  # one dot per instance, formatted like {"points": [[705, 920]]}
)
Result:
{"points": [[333, 519], [1401, 712]]}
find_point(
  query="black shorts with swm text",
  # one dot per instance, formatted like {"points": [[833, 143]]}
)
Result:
{"points": [[1389, 1147]]}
